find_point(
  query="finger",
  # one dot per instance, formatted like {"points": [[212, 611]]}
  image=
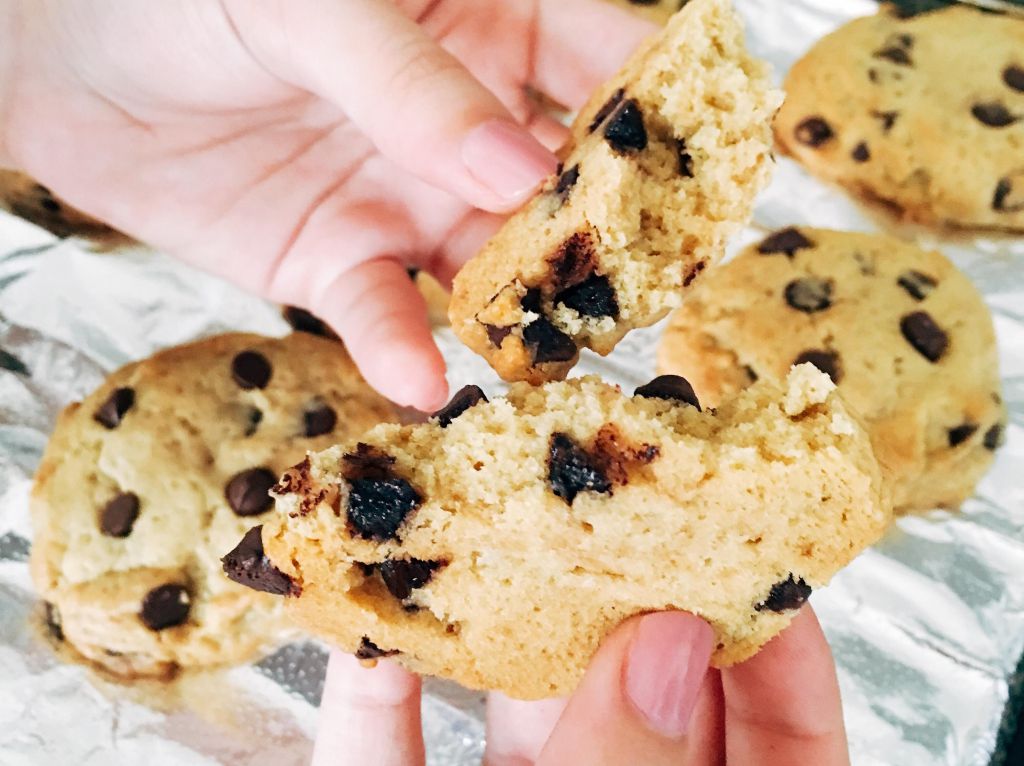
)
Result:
{"points": [[414, 100], [581, 44], [782, 706], [635, 701], [517, 730], [705, 740], [368, 715]]}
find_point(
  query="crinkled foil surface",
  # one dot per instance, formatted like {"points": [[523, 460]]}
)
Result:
{"points": [[927, 627]]}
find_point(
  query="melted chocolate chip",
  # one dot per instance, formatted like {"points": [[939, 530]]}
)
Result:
{"points": [[496, 335], [571, 263], [403, 576], [1013, 76], [888, 119], [785, 595], [112, 411], [378, 507], [1002, 198], [918, 285], [685, 159], [927, 338], [625, 131], [786, 241], [254, 420], [813, 132], [962, 433], [861, 153], [247, 492], [566, 181], [809, 294], [320, 420], [166, 606], [11, 363], [464, 398], [571, 470], [53, 622], [671, 387], [605, 111], [593, 297], [118, 516], [251, 369], [826, 361], [367, 462], [248, 565], [370, 651], [993, 114], [994, 437], [302, 321], [547, 342]]}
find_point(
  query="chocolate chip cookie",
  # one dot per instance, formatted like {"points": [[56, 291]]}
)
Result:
{"points": [[32, 201], [662, 167], [150, 479], [904, 334], [500, 542], [925, 114]]}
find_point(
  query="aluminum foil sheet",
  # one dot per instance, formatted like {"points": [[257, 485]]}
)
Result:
{"points": [[927, 627]]}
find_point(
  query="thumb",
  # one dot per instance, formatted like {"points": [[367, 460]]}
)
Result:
{"points": [[635, 701], [417, 103]]}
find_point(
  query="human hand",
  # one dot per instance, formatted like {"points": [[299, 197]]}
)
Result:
{"points": [[648, 698], [308, 150]]}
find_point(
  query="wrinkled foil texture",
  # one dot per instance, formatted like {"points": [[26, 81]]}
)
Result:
{"points": [[927, 627]]}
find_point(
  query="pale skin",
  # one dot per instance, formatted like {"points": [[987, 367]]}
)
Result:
{"points": [[310, 151]]}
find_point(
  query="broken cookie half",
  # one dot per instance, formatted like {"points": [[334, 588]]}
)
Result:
{"points": [[497, 544]]}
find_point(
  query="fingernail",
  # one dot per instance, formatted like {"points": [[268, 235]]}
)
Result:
{"points": [[507, 159], [667, 660]]}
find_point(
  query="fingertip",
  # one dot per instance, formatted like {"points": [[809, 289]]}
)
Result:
{"points": [[507, 161]]}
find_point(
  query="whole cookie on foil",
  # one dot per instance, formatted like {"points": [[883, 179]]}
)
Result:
{"points": [[905, 335], [148, 481], [924, 113], [499, 543]]}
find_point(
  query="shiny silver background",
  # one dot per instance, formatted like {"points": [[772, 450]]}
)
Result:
{"points": [[927, 627]]}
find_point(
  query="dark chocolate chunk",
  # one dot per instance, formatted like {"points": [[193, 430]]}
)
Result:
{"points": [[691, 275], [593, 297], [625, 131], [251, 369], [888, 119], [166, 606], [402, 576], [1013, 76], [118, 516], [809, 294], [786, 241], [961, 433], [370, 651], [751, 373], [605, 111], [1003, 200], [927, 338], [571, 263], [112, 411], [378, 507], [248, 565], [571, 470], [994, 114], [496, 335], [11, 363], [861, 153], [368, 462], [566, 181], [547, 342], [320, 420], [918, 285], [531, 301], [826, 361], [464, 398], [672, 387], [302, 321], [813, 132], [685, 159], [896, 55], [53, 622], [247, 492], [994, 437], [254, 420], [785, 595]]}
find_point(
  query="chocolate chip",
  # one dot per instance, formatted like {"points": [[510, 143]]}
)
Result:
{"points": [[1002, 200], [694, 270], [625, 131], [367, 462], [531, 301], [112, 411], [671, 387], [894, 54], [254, 420], [927, 338], [370, 651], [247, 492], [809, 294], [464, 398], [918, 285], [251, 369], [605, 111], [496, 335], [53, 621], [685, 159], [378, 507], [994, 437], [302, 321], [11, 363], [248, 565], [546, 342], [861, 153], [1013, 76], [814, 131], [993, 114], [786, 241], [165, 607], [962, 433], [571, 470], [888, 119], [571, 263], [566, 181], [320, 420], [413, 272], [118, 516], [826, 361], [785, 595], [751, 373], [403, 576], [594, 297]]}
